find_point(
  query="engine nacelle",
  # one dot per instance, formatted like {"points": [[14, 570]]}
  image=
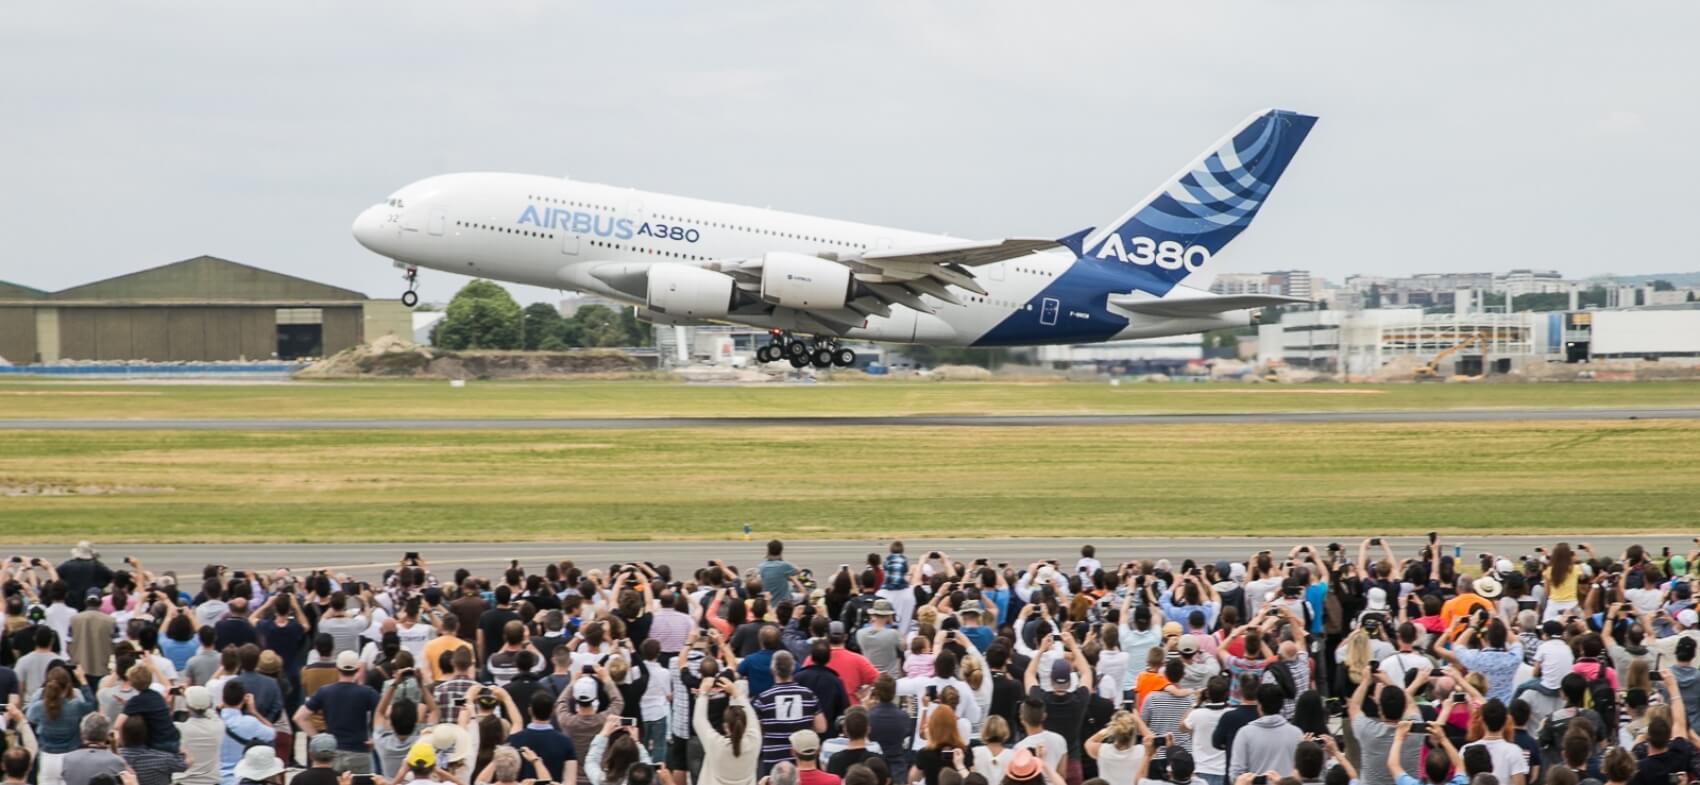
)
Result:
{"points": [[797, 280], [655, 317], [684, 292]]}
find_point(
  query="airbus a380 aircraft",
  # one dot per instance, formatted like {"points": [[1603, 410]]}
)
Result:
{"points": [[813, 281]]}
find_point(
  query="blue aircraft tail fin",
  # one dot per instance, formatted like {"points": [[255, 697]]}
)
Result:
{"points": [[1174, 232]]}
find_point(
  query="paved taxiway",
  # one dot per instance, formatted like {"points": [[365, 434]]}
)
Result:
{"points": [[367, 560], [947, 421]]}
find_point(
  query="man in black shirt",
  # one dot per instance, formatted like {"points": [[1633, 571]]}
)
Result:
{"points": [[1006, 691], [1237, 717], [321, 760], [1065, 707], [491, 622]]}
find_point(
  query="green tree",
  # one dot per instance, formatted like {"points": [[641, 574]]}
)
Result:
{"points": [[1662, 285], [541, 322], [482, 315], [597, 325]]}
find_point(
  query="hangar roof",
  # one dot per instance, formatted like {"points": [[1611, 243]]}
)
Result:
{"points": [[204, 278], [12, 291]]}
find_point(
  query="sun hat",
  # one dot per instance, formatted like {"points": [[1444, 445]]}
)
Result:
{"points": [[882, 607], [452, 742], [1487, 586], [1023, 765], [258, 763], [84, 550], [270, 663], [1188, 645]]}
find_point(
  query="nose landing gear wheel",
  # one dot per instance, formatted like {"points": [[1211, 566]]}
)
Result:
{"points": [[410, 298], [844, 358]]}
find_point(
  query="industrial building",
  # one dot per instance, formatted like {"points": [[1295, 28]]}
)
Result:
{"points": [[200, 309], [1474, 343]]}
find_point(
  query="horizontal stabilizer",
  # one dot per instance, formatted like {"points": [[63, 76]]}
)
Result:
{"points": [[1186, 307]]}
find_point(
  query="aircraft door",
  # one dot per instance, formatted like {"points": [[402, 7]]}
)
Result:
{"points": [[1048, 311], [569, 243], [439, 219]]}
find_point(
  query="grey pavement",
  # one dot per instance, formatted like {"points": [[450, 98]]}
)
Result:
{"points": [[973, 421], [367, 560]]}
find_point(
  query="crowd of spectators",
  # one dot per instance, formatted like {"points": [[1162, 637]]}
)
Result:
{"points": [[1321, 665]]}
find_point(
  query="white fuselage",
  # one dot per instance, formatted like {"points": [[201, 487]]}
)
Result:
{"points": [[550, 232]]}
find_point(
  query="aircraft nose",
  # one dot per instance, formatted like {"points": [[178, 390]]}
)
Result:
{"points": [[367, 229]]}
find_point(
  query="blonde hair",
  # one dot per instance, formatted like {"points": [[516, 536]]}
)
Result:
{"points": [[927, 614], [1123, 729], [1357, 651], [618, 668], [995, 730], [504, 764], [972, 673]]}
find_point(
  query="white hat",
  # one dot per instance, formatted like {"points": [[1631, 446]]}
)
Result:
{"points": [[584, 690], [1687, 617], [258, 763], [1377, 598], [452, 742], [1503, 567], [347, 661], [83, 550], [199, 698], [1236, 572], [1487, 586]]}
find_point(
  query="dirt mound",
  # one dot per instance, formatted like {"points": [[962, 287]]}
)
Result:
{"points": [[961, 373], [391, 357]]}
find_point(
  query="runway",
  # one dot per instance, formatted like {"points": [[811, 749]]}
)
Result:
{"points": [[929, 421], [368, 560]]}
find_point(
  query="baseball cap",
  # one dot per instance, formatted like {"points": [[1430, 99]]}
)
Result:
{"points": [[882, 607], [199, 698], [806, 742], [835, 631], [1503, 566], [1060, 672], [584, 690], [1687, 617], [347, 661], [1223, 569], [322, 747], [1377, 598], [1171, 628], [1188, 644], [421, 755]]}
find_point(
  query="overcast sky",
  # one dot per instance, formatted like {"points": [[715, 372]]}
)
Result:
{"points": [[1454, 135]]}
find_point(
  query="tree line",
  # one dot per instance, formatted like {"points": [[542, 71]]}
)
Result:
{"points": [[483, 315]]}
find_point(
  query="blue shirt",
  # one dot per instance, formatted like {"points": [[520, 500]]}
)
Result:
{"points": [[774, 574], [552, 746], [60, 735], [980, 636], [230, 750], [758, 670], [178, 652], [347, 707], [897, 573], [1314, 595]]}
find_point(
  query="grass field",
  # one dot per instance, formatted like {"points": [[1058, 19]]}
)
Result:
{"points": [[874, 482], [31, 399]]}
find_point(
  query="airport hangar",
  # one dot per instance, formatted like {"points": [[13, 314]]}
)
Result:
{"points": [[195, 310]]}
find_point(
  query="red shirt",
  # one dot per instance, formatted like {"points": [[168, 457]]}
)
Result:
{"points": [[852, 669], [815, 777]]}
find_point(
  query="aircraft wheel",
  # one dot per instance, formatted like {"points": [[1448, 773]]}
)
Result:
{"points": [[844, 358], [796, 349], [410, 298], [764, 354], [823, 358], [799, 362]]}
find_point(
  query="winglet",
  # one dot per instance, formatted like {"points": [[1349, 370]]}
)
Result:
{"points": [[1076, 242]]}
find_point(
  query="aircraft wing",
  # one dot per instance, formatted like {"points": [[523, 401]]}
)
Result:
{"points": [[1186, 307], [901, 277]]}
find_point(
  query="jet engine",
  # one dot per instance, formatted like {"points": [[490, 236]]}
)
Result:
{"points": [[683, 292], [795, 280]]}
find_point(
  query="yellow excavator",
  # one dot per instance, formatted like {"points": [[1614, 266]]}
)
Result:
{"points": [[1431, 371]]}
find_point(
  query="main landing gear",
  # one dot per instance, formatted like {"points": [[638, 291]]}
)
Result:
{"points": [[819, 352], [410, 297]]}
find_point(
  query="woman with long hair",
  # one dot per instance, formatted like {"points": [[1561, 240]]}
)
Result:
{"points": [[57, 715], [730, 752], [1560, 577], [613, 753], [945, 748]]}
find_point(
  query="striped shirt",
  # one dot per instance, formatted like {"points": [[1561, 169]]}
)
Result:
{"points": [[783, 710], [153, 767], [1163, 712]]}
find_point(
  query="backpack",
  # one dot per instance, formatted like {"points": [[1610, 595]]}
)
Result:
{"points": [[1333, 614], [1602, 698], [1281, 676]]}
